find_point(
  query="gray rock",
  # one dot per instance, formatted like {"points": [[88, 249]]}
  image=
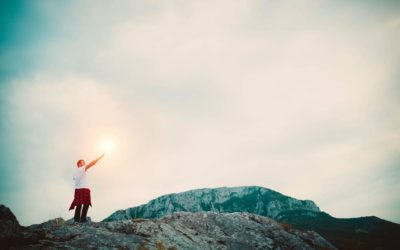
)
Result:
{"points": [[181, 230]]}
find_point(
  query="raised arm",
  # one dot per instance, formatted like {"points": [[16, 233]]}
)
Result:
{"points": [[91, 164]]}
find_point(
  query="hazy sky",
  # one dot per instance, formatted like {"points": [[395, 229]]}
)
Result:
{"points": [[298, 96]]}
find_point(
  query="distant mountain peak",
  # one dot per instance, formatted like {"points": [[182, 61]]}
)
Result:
{"points": [[251, 199]]}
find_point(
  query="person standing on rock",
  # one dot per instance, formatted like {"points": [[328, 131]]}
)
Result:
{"points": [[82, 191]]}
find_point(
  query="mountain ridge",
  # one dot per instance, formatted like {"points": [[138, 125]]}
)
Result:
{"points": [[270, 203]]}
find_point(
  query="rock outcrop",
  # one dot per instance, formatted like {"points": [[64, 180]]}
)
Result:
{"points": [[181, 230], [251, 199], [9, 227]]}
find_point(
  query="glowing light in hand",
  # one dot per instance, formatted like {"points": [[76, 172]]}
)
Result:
{"points": [[106, 146]]}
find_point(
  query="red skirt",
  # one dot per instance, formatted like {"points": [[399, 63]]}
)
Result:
{"points": [[81, 196]]}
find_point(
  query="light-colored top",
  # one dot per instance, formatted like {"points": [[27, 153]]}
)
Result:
{"points": [[80, 178]]}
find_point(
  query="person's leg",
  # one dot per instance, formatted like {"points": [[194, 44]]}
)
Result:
{"points": [[77, 213], [84, 212]]}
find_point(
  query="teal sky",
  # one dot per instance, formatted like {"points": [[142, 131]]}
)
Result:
{"points": [[298, 96]]}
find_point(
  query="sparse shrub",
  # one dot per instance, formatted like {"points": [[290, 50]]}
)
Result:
{"points": [[222, 242], [142, 246], [160, 245], [138, 220], [288, 228]]}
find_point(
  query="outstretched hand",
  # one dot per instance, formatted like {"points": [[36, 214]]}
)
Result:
{"points": [[93, 162]]}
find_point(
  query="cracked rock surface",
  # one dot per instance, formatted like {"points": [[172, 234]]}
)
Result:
{"points": [[181, 230]]}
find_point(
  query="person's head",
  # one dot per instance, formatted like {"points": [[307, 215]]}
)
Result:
{"points": [[80, 163]]}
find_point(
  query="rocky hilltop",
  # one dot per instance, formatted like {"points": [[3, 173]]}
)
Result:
{"points": [[181, 230], [251, 199]]}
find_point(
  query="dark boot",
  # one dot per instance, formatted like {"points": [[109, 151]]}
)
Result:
{"points": [[84, 212], [77, 215]]}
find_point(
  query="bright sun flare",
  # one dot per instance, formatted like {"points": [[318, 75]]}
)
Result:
{"points": [[106, 145]]}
